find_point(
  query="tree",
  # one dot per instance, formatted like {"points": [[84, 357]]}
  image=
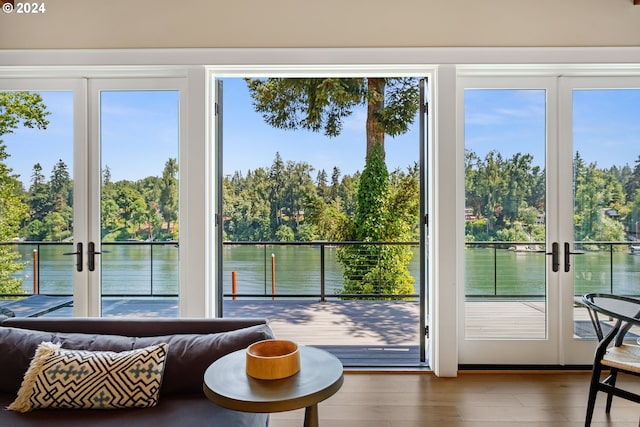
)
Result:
{"points": [[126, 194], [321, 184], [12, 212], [139, 214], [322, 104], [377, 268], [277, 179], [21, 109], [54, 224], [169, 194], [109, 215], [61, 186], [284, 233], [39, 195], [16, 109]]}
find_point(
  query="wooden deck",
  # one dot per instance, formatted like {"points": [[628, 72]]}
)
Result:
{"points": [[359, 333], [35, 305]]}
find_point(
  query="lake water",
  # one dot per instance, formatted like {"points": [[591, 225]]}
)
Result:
{"points": [[143, 269]]}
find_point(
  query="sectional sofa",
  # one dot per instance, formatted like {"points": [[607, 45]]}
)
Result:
{"points": [[188, 347]]}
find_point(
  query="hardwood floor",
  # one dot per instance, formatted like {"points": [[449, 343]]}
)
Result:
{"points": [[483, 399]]}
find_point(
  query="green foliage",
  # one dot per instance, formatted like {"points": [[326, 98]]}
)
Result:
{"points": [[376, 270], [508, 195], [307, 232], [512, 234], [373, 192], [476, 230], [316, 104], [380, 269], [284, 233], [16, 109], [21, 109], [168, 202], [322, 104], [12, 212]]}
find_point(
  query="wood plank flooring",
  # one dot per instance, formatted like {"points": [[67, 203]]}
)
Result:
{"points": [[486, 399]]}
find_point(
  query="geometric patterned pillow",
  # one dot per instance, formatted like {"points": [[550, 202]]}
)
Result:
{"points": [[59, 378]]}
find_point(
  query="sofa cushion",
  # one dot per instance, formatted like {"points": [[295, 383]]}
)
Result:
{"points": [[61, 378], [188, 357]]}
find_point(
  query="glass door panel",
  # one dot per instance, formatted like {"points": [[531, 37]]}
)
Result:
{"points": [[139, 234], [606, 196], [507, 317], [37, 194]]}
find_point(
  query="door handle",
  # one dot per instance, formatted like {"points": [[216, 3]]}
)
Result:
{"points": [[92, 256], [555, 256], [78, 254], [567, 256]]}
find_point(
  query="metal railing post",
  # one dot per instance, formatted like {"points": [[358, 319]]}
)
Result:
{"points": [[36, 288], [151, 262], [322, 288], [611, 267], [495, 270]]}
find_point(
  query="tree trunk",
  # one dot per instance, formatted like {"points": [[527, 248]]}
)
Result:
{"points": [[375, 102]]}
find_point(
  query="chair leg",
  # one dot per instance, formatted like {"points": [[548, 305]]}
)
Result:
{"points": [[613, 376], [593, 391]]}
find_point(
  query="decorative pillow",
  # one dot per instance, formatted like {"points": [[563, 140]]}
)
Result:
{"points": [[60, 378]]}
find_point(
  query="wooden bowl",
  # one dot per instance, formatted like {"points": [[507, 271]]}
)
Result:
{"points": [[273, 359]]}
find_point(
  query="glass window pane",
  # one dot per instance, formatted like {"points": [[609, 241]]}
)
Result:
{"points": [[505, 139]]}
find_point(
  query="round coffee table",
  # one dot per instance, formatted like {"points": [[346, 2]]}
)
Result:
{"points": [[227, 384]]}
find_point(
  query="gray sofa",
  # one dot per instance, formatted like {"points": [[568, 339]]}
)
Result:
{"points": [[193, 345]]}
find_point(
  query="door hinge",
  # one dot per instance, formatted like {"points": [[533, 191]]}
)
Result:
{"points": [[426, 331], [216, 109]]}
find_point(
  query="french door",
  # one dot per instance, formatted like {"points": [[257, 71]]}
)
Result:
{"points": [[603, 148], [101, 187], [546, 215], [133, 196]]}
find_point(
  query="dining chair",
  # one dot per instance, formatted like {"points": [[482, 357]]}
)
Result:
{"points": [[612, 353]]}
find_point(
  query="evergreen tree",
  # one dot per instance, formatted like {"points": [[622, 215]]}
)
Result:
{"points": [[335, 183], [322, 104], [169, 193], [39, 195], [61, 186], [321, 185], [277, 183]]}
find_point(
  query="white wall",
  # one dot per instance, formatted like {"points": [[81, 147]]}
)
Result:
{"points": [[97, 24]]}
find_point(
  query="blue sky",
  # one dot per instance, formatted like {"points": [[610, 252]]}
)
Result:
{"points": [[606, 124], [139, 132]]}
